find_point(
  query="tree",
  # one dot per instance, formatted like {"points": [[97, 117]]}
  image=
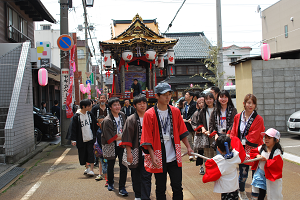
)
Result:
{"points": [[212, 64]]}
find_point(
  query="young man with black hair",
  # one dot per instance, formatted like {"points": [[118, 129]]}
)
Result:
{"points": [[101, 108], [141, 179], [56, 109], [112, 126], [188, 111], [163, 128], [127, 108], [137, 88], [215, 91], [83, 135]]}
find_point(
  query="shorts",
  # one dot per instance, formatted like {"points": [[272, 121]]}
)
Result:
{"points": [[259, 179], [86, 153]]}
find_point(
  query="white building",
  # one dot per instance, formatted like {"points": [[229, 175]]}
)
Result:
{"points": [[231, 54], [47, 34]]}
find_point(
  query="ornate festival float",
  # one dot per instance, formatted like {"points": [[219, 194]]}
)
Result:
{"points": [[138, 49]]}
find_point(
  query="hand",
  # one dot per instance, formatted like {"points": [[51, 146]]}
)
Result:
{"points": [[198, 132], [260, 156], [129, 157], [216, 136], [190, 151], [74, 143], [155, 161], [119, 137], [206, 133]]}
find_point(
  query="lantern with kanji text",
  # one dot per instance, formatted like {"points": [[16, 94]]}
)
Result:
{"points": [[150, 54], [160, 61], [171, 59], [107, 59], [127, 55]]}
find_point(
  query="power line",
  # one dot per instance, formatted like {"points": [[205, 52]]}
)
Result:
{"points": [[170, 25]]}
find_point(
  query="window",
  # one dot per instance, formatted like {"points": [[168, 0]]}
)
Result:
{"points": [[17, 26], [286, 31], [192, 70], [233, 59], [80, 54], [180, 70]]}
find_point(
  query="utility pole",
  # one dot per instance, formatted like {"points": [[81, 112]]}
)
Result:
{"points": [[64, 59], [220, 44], [86, 36]]}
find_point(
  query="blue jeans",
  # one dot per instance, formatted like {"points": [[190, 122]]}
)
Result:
{"points": [[104, 165], [243, 175]]}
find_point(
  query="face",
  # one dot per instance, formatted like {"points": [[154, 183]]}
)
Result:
{"points": [[249, 105], [213, 92], [126, 103], [209, 101], [102, 99], [200, 102], [187, 96], [269, 141], [99, 122], [164, 99], [135, 82], [223, 100], [141, 106], [115, 107]]}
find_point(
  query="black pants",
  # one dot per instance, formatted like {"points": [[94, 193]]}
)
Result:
{"points": [[123, 169], [262, 194], [175, 174], [141, 180], [230, 196], [199, 160]]}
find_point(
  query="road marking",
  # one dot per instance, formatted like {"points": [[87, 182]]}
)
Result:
{"points": [[38, 184], [291, 146], [291, 157]]}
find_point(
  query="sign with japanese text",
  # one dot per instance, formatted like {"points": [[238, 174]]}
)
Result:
{"points": [[64, 86]]}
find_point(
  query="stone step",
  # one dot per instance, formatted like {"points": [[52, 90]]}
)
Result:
{"points": [[3, 110], [2, 125], [2, 133], [2, 140], [2, 158], [2, 150]]}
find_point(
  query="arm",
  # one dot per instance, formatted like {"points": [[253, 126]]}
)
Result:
{"points": [[108, 131], [212, 125], [273, 167], [212, 171], [155, 161], [129, 154], [187, 144], [234, 112], [73, 129], [233, 132]]}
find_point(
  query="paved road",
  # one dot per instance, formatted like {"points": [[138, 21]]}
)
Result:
{"points": [[291, 144], [49, 175]]}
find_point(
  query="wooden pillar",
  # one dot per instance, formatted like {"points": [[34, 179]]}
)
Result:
{"points": [[123, 78], [148, 74], [153, 76]]}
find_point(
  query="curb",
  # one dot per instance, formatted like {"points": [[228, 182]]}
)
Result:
{"points": [[22, 161]]}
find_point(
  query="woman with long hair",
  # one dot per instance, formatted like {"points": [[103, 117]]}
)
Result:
{"points": [[203, 140], [222, 118], [248, 126]]}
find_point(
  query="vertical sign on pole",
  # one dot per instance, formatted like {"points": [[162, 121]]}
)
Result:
{"points": [[64, 86]]}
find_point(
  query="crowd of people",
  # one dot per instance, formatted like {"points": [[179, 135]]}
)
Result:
{"points": [[148, 141]]}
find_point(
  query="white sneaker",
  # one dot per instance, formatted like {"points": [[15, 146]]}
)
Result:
{"points": [[191, 158], [86, 171], [137, 198], [243, 196], [91, 173]]}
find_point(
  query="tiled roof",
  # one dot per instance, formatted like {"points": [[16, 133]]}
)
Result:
{"points": [[192, 45], [186, 80]]}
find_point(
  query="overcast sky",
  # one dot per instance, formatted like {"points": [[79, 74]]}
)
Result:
{"points": [[241, 23]]}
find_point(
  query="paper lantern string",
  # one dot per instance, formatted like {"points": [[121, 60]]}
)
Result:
{"points": [[150, 66], [127, 66], [107, 74], [138, 62], [161, 72], [172, 70]]}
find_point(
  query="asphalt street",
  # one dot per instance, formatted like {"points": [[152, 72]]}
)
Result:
{"points": [[55, 173]]}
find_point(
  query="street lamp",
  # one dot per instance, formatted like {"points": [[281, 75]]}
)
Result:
{"points": [[89, 3]]}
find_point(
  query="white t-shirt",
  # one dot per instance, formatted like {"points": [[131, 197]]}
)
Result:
{"points": [[208, 114], [222, 123], [119, 128], [165, 123]]}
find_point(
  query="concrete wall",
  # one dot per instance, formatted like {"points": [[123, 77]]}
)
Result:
{"points": [[276, 83], [243, 81], [273, 21]]}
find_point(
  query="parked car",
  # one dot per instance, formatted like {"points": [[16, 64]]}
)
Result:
{"points": [[293, 123], [45, 125]]}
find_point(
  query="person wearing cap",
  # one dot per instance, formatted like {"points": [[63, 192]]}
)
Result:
{"points": [[268, 174], [247, 126], [163, 128]]}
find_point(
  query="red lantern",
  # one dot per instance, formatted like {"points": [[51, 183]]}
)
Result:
{"points": [[43, 77], [265, 51]]}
